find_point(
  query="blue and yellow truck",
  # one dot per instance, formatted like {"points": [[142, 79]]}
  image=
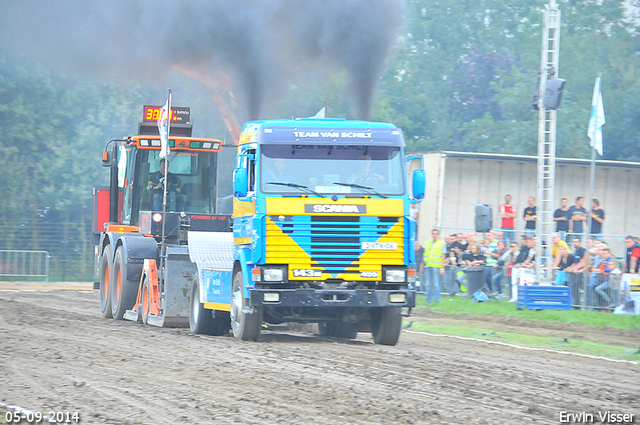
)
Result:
{"points": [[320, 232]]}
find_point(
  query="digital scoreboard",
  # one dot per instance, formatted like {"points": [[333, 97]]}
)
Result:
{"points": [[178, 115]]}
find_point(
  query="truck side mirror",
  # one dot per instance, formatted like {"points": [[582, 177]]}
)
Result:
{"points": [[240, 182], [418, 184], [418, 181]]}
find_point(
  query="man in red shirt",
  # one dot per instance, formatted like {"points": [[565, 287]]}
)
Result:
{"points": [[632, 260], [508, 212]]}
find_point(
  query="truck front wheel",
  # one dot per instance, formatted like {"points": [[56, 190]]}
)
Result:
{"points": [[386, 324], [105, 294], [245, 326]]}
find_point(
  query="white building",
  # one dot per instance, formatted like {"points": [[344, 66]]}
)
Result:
{"points": [[457, 181]]}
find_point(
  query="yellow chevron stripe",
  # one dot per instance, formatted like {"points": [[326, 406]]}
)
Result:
{"points": [[373, 257], [281, 249]]}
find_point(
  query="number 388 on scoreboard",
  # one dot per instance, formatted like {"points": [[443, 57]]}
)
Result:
{"points": [[179, 115]]}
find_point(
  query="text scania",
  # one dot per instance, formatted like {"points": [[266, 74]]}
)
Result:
{"points": [[333, 134], [353, 209]]}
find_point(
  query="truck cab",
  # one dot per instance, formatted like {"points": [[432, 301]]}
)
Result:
{"points": [[142, 220], [322, 226]]}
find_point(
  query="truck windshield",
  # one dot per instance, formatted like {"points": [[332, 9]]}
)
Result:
{"points": [[191, 183], [332, 169]]}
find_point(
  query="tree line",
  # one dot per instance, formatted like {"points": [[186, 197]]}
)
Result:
{"points": [[461, 78]]}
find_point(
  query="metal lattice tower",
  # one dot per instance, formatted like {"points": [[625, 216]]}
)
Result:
{"points": [[547, 144]]}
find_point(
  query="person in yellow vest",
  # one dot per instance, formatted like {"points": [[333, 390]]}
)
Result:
{"points": [[555, 251], [435, 252]]}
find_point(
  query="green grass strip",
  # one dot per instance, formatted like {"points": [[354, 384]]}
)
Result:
{"points": [[574, 346], [502, 307]]}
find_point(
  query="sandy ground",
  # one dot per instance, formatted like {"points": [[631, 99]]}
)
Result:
{"points": [[58, 354]]}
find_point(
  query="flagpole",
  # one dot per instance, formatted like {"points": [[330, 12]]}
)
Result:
{"points": [[591, 189], [593, 174], [166, 171]]}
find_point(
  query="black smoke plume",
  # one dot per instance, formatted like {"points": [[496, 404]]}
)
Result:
{"points": [[260, 44]]}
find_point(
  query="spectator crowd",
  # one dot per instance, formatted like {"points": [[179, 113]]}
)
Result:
{"points": [[592, 271]]}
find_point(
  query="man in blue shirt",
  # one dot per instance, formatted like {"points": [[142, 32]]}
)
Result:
{"points": [[156, 186], [530, 218], [575, 273], [578, 215], [561, 217], [364, 176], [278, 173], [579, 253], [597, 219]]}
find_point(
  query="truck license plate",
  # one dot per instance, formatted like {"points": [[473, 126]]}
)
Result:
{"points": [[380, 246], [306, 273]]}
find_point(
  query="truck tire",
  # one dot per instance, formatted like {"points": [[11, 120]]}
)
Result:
{"points": [[245, 327], [123, 291], [200, 319], [106, 266], [386, 324]]}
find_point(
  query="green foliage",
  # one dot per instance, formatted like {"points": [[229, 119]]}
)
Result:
{"points": [[53, 132], [464, 73], [547, 343], [501, 307]]}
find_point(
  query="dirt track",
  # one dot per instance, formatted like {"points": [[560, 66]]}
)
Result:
{"points": [[57, 353]]}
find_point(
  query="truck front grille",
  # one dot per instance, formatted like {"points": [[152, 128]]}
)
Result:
{"points": [[333, 242]]}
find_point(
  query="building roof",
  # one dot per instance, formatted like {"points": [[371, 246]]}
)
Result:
{"points": [[531, 158]]}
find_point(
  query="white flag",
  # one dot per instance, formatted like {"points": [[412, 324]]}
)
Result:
{"points": [[163, 128], [321, 113], [597, 119]]}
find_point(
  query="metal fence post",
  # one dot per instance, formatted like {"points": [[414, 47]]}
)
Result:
{"points": [[585, 281], [46, 267]]}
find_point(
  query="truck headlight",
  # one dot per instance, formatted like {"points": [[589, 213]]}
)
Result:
{"points": [[272, 275], [395, 276]]}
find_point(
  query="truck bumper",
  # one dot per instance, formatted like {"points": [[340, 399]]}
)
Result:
{"points": [[332, 298]]}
